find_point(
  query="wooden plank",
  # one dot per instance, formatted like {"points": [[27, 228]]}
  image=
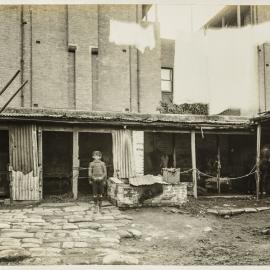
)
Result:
{"points": [[10, 183], [3, 127], [266, 49], [193, 156], [223, 21], [80, 129], [76, 164], [138, 150], [40, 162], [109, 130], [261, 78], [218, 164], [258, 161], [238, 16], [174, 150], [227, 197]]}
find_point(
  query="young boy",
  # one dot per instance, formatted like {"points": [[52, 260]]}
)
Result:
{"points": [[97, 174]]}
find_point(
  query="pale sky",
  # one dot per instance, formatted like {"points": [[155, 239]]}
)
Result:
{"points": [[182, 18]]}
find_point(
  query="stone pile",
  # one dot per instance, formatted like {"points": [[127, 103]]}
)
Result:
{"points": [[236, 211]]}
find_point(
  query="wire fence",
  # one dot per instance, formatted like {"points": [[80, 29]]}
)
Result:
{"points": [[253, 171]]}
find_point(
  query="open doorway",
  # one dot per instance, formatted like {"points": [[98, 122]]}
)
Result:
{"points": [[237, 158], [156, 146], [4, 160], [89, 142], [57, 162], [172, 146]]}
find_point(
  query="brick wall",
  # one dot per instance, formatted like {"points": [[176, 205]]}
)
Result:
{"points": [[167, 53], [50, 56], [83, 34], [57, 44], [10, 40], [149, 72], [124, 195], [113, 61]]}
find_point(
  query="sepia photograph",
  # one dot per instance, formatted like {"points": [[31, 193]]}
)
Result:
{"points": [[134, 133]]}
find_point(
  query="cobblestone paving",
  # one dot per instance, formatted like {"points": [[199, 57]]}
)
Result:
{"points": [[66, 233]]}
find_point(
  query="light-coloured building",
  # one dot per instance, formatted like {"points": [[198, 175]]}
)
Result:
{"points": [[241, 16]]}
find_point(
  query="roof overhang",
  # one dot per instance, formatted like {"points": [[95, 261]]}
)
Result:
{"points": [[132, 120], [228, 11], [263, 118], [145, 9]]}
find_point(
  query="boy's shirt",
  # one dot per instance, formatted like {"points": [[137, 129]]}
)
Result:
{"points": [[97, 170]]}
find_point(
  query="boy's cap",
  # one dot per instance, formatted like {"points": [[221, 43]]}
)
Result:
{"points": [[97, 153]]}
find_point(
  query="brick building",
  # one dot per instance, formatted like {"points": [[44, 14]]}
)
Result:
{"points": [[167, 68], [65, 54]]}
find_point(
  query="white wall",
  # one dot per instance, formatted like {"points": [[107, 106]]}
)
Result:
{"points": [[219, 67]]}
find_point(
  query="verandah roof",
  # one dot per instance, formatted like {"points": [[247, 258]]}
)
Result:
{"points": [[173, 121], [262, 118]]}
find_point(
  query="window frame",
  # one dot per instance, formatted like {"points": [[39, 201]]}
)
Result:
{"points": [[171, 80]]}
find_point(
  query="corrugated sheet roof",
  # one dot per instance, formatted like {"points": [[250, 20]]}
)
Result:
{"points": [[112, 118], [263, 117]]}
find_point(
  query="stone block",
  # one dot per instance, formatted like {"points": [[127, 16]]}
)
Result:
{"points": [[17, 234], [13, 254], [118, 259], [212, 211], [70, 226], [4, 226], [80, 219], [250, 210], [30, 245], [237, 211], [135, 233], [90, 225], [263, 208], [32, 240], [81, 244], [125, 234], [68, 245], [44, 251]]}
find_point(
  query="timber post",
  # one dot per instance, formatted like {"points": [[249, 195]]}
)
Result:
{"points": [[10, 177], [259, 130], [193, 158], [75, 164], [218, 164], [174, 151], [40, 162]]}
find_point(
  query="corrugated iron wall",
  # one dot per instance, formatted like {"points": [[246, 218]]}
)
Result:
{"points": [[24, 162], [25, 186], [23, 148], [123, 159]]}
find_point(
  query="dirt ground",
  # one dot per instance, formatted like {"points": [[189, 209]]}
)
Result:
{"points": [[198, 238], [188, 235]]}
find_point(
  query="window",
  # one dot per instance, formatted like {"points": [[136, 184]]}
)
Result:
{"points": [[167, 84]]}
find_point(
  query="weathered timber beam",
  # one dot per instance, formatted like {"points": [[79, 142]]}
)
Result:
{"points": [[9, 82], [258, 161], [194, 168]]}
